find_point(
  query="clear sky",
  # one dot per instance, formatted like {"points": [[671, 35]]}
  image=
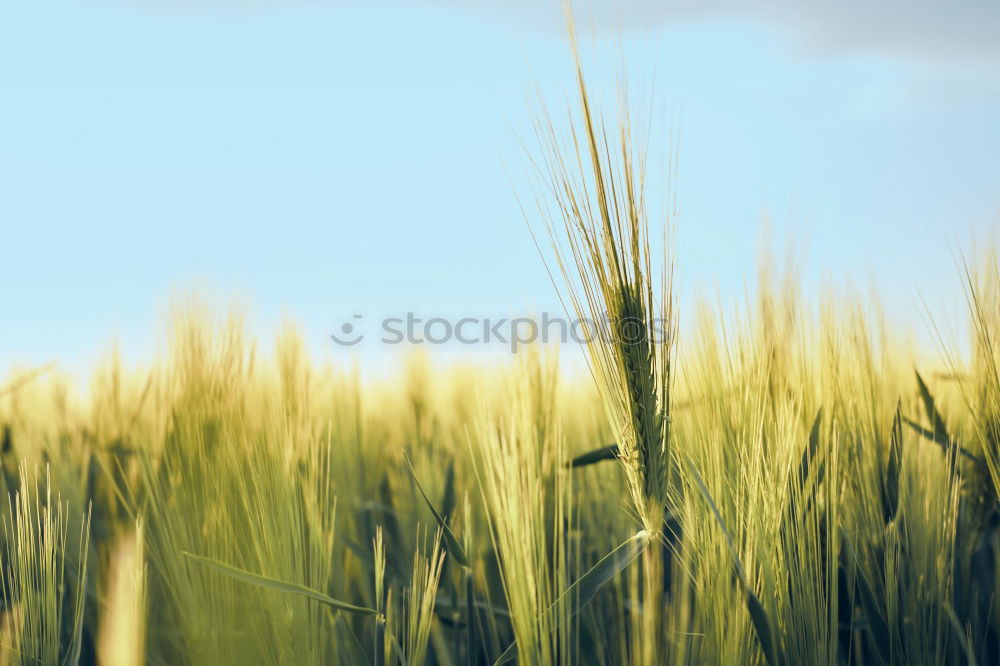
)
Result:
{"points": [[328, 158]]}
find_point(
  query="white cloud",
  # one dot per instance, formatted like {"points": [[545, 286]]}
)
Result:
{"points": [[931, 30], [961, 30]]}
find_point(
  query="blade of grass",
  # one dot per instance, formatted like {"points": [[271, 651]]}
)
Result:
{"points": [[609, 452], [877, 624], [933, 415], [347, 641], [944, 443], [890, 499], [452, 544], [758, 615], [963, 638], [762, 627], [586, 587], [8, 462], [278, 585], [449, 499], [807, 456]]}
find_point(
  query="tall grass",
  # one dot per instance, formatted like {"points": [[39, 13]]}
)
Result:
{"points": [[524, 484], [826, 504], [44, 576]]}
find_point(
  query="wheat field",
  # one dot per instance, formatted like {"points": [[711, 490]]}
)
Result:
{"points": [[794, 483]]}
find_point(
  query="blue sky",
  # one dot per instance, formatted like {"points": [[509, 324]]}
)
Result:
{"points": [[331, 158]]}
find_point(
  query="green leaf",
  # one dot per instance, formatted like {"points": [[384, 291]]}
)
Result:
{"points": [[346, 641], [448, 501], [810, 453], [890, 497], [943, 443], [933, 415], [758, 616], [963, 638], [8, 461], [877, 624], [586, 587], [609, 452], [278, 585], [703, 489], [451, 543], [400, 652], [762, 626]]}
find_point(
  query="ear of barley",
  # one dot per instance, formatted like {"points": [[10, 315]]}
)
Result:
{"points": [[595, 212], [424, 581]]}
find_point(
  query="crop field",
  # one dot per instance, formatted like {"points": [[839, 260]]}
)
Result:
{"points": [[791, 483]]}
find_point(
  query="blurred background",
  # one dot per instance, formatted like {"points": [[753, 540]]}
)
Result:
{"points": [[324, 159]]}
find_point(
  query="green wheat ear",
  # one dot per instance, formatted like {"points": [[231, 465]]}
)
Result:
{"points": [[595, 176]]}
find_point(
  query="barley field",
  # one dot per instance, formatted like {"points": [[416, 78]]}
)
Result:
{"points": [[790, 483]]}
